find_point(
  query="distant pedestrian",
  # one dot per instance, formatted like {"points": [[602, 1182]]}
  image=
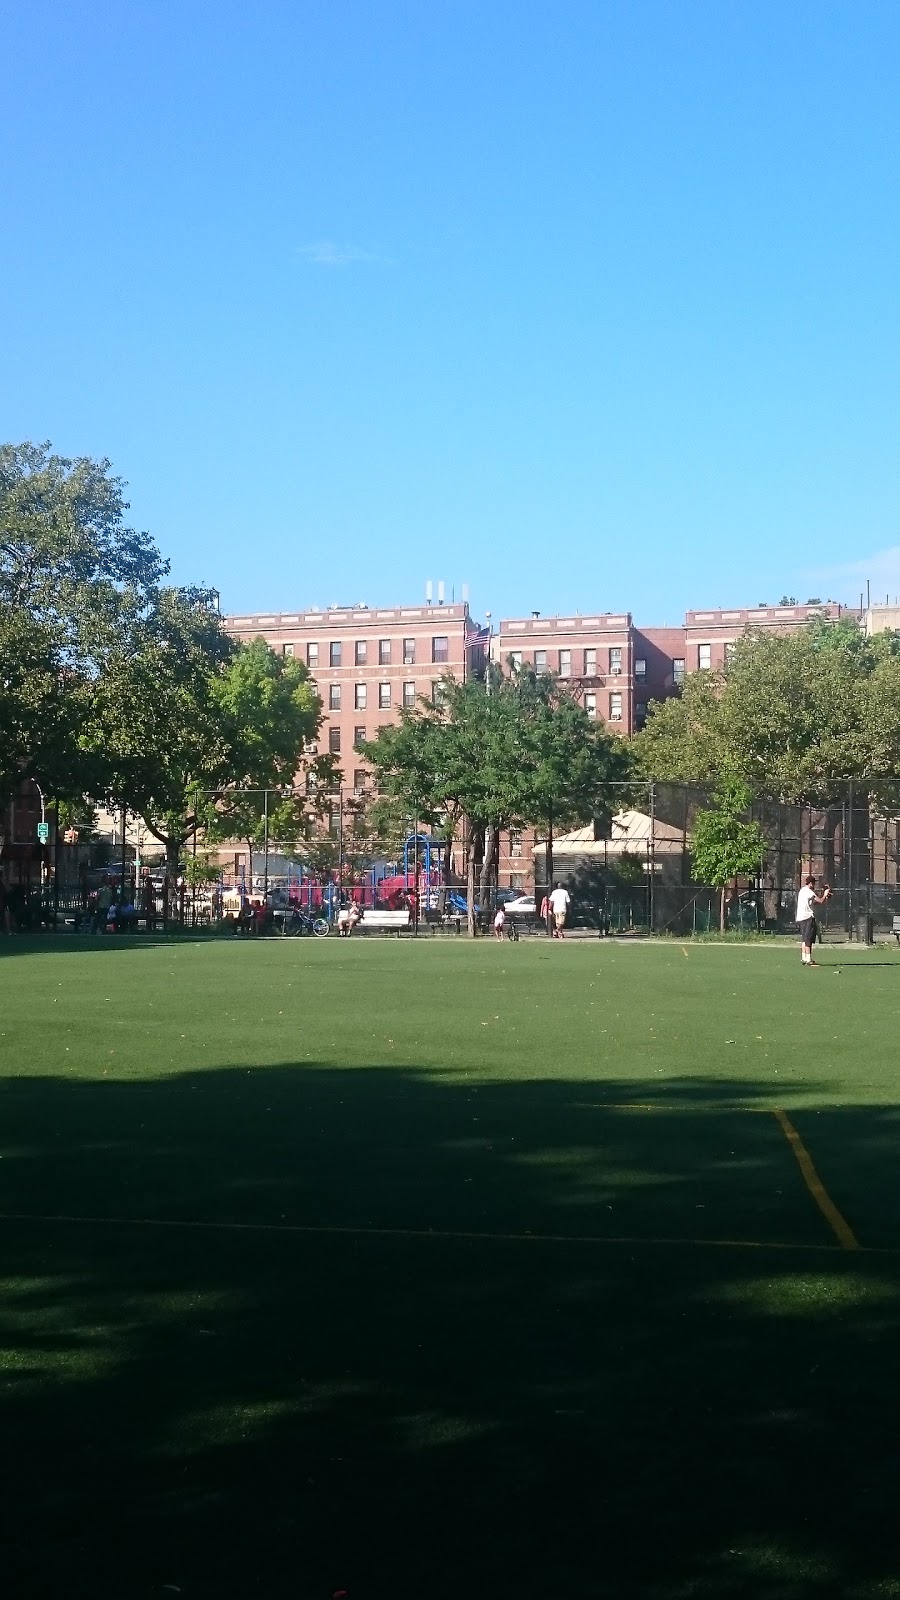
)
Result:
{"points": [[4, 909], [806, 919], [546, 915], [559, 905], [499, 922]]}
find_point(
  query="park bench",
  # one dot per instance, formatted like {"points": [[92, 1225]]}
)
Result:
{"points": [[383, 922], [895, 928]]}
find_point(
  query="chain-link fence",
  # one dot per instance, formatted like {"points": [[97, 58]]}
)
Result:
{"points": [[635, 873]]}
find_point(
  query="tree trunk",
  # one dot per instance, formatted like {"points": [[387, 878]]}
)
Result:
{"points": [[491, 840], [722, 909], [548, 852], [470, 884]]}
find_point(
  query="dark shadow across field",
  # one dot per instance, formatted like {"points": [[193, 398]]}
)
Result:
{"points": [[402, 1415]]}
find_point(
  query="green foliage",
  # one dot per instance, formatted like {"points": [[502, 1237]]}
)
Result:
{"points": [[726, 847], [74, 579], [795, 716], [511, 750], [182, 710]]}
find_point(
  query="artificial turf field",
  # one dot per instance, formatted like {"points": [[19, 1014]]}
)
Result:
{"points": [[430, 1271]]}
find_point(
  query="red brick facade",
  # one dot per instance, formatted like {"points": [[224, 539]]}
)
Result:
{"points": [[367, 664]]}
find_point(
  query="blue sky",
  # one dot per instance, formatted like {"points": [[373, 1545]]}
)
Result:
{"points": [[586, 305]]}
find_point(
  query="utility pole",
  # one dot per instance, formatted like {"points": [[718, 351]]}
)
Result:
{"points": [[265, 847]]}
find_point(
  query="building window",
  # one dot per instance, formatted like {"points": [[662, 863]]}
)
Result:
{"points": [[360, 696], [384, 652], [590, 706], [312, 655], [615, 660], [590, 663], [704, 657], [517, 880], [729, 652], [440, 647], [359, 737], [334, 741], [384, 696], [334, 820], [409, 652], [515, 660], [359, 779], [438, 693], [287, 649], [565, 663], [540, 661], [409, 694], [312, 783], [615, 708], [515, 844], [678, 671], [640, 667], [334, 653], [640, 713], [334, 697], [360, 652]]}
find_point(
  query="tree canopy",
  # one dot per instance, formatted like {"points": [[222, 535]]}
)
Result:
{"points": [[511, 750], [795, 716]]}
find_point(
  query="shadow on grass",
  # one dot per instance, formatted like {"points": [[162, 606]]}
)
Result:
{"points": [[458, 1404]]}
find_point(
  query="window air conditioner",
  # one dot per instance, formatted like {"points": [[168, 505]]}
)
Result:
{"points": [[616, 671]]}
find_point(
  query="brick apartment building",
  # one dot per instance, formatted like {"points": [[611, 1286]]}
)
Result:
{"points": [[367, 664], [708, 635]]}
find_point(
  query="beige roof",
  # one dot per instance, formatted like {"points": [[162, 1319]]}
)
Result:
{"points": [[630, 833]]}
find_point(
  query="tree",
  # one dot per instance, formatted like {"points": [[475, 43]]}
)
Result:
{"points": [[796, 716], [271, 713], [73, 579], [510, 750], [65, 548], [188, 718], [725, 846], [570, 769], [42, 705]]}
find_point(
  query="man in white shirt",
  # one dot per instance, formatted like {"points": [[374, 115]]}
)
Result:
{"points": [[559, 905], [806, 917]]}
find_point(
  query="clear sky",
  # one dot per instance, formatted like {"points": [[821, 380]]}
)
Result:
{"points": [[588, 305]]}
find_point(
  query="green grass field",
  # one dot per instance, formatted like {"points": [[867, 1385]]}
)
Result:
{"points": [[433, 1271]]}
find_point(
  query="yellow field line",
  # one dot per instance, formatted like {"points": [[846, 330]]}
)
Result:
{"points": [[468, 1235], [839, 1226]]}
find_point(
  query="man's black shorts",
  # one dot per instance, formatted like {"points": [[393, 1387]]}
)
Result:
{"points": [[808, 931]]}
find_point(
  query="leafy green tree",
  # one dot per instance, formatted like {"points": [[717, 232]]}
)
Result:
{"points": [[796, 716], [74, 578], [182, 712], [41, 709], [725, 845], [512, 749], [67, 556], [569, 768]]}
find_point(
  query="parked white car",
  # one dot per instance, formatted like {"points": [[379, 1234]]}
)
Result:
{"points": [[523, 906]]}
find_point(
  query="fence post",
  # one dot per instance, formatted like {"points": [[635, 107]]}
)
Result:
{"points": [[652, 851]]}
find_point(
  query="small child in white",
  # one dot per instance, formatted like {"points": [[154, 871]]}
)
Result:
{"points": [[499, 923]]}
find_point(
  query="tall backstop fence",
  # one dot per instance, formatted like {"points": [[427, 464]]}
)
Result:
{"points": [[635, 872]]}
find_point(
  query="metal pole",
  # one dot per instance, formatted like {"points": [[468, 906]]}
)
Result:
{"points": [[652, 852], [265, 847], [122, 875], [340, 847], [416, 877], [56, 870], [850, 859]]}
